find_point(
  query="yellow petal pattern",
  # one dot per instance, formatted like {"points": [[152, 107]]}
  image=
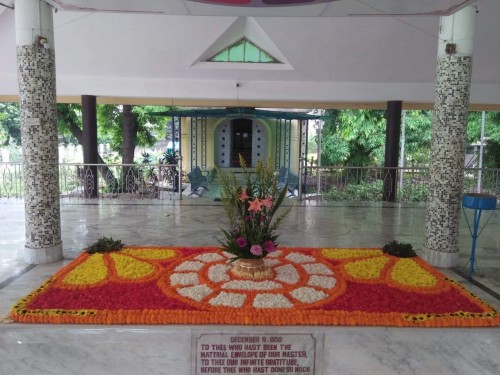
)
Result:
{"points": [[92, 271], [150, 253], [130, 268], [367, 268], [408, 272], [350, 253]]}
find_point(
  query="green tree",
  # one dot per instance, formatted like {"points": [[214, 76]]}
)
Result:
{"points": [[491, 157], [129, 126], [124, 127], [353, 137], [69, 124], [10, 130], [418, 129], [357, 137]]}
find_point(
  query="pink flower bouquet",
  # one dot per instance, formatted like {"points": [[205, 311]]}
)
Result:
{"points": [[250, 208]]}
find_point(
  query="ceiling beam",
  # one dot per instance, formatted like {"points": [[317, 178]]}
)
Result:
{"points": [[254, 103]]}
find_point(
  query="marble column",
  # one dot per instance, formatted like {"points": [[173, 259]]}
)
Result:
{"points": [[37, 93], [448, 137]]}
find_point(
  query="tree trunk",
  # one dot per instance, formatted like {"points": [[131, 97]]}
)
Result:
{"points": [[106, 173], [129, 128]]}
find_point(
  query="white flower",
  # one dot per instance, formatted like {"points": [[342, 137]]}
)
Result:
{"points": [[189, 265], [299, 258], [218, 273], [251, 285], [317, 268], [271, 301], [197, 292], [228, 299], [287, 274], [190, 278], [325, 282], [209, 257], [308, 295]]}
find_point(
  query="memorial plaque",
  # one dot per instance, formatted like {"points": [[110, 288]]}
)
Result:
{"points": [[257, 353], [32, 121]]}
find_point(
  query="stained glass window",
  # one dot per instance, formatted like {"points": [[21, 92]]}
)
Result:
{"points": [[243, 51]]}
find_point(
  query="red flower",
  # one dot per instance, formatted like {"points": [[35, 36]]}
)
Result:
{"points": [[244, 195], [241, 241], [267, 203], [255, 205], [269, 246]]}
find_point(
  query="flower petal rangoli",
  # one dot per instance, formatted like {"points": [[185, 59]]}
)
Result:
{"points": [[299, 280], [153, 285]]}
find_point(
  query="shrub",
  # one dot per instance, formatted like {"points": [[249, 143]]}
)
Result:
{"points": [[105, 245], [399, 249]]}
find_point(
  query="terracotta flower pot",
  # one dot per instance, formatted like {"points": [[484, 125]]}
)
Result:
{"points": [[251, 268]]}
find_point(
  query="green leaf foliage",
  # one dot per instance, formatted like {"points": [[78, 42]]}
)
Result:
{"points": [[357, 137], [491, 157], [399, 249], [149, 128], [105, 245], [10, 131]]}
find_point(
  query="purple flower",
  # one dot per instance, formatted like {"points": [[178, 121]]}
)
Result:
{"points": [[269, 246], [256, 250], [241, 242]]}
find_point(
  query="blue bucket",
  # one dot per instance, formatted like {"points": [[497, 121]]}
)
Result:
{"points": [[479, 201]]}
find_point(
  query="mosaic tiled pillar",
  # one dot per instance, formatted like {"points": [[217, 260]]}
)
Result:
{"points": [[448, 138], [37, 92]]}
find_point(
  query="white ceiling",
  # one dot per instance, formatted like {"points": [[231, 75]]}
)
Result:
{"points": [[261, 8], [156, 54]]}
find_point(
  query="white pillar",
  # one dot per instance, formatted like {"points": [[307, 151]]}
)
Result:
{"points": [[481, 150], [37, 99], [449, 137]]}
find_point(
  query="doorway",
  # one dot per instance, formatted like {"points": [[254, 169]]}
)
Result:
{"points": [[241, 142]]}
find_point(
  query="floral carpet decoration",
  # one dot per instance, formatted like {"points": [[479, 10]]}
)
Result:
{"points": [[140, 285]]}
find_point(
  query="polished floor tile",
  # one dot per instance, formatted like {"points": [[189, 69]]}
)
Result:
{"points": [[52, 349]]}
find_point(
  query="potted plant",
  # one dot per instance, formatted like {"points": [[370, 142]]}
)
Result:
{"points": [[104, 245], [251, 209]]}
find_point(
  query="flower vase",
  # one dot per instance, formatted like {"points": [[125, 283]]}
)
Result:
{"points": [[251, 268]]}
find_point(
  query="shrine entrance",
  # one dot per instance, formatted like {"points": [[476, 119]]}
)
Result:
{"points": [[241, 142]]}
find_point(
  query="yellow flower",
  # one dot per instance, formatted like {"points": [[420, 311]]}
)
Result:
{"points": [[367, 268], [350, 253], [127, 264], [375, 266], [408, 272]]}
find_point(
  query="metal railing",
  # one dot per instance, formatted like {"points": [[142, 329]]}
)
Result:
{"points": [[109, 181], [162, 181], [376, 184]]}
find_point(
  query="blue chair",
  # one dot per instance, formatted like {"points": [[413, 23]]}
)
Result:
{"points": [[283, 177], [197, 181]]}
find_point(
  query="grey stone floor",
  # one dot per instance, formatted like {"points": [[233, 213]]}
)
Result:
{"points": [[49, 349]]}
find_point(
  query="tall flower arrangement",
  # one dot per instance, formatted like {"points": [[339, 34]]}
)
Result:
{"points": [[251, 208]]}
